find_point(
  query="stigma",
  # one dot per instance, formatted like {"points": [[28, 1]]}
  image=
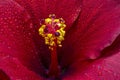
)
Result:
{"points": [[52, 29]]}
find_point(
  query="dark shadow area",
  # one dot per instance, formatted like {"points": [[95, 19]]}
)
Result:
{"points": [[112, 49], [3, 75]]}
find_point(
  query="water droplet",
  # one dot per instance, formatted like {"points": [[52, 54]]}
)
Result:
{"points": [[115, 74], [99, 73], [29, 34], [10, 22], [31, 25], [1, 30], [3, 43], [15, 20], [36, 52], [5, 18], [99, 70], [9, 47], [86, 74], [5, 57], [109, 71], [1, 19]]}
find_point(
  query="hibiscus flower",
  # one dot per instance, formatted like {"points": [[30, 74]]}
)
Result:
{"points": [[90, 50]]}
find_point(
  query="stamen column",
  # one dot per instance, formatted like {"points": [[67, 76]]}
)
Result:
{"points": [[52, 30], [54, 69]]}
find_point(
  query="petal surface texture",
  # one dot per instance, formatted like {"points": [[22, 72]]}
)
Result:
{"points": [[102, 69], [92, 26], [40, 9], [97, 27], [12, 69], [16, 39]]}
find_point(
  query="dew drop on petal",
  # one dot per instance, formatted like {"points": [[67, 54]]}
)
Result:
{"points": [[100, 73], [29, 34], [31, 25], [9, 47], [88, 76]]}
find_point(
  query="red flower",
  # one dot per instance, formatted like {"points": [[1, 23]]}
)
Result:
{"points": [[90, 50]]}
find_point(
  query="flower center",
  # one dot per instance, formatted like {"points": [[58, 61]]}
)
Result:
{"points": [[52, 29]]}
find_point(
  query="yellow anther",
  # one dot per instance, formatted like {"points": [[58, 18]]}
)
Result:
{"points": [[48, 21], [49, 35], [60, 38], [62, 32], [41, 30], [59, 24], [63, 26], [56, 20], [52, 43], [58, 42], [48, 30], [46, 40]]}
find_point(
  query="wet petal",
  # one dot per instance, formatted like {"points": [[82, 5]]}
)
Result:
{"points": [[12, 69], [16, 35], [102, 69], [40, 9], [98, 26]]}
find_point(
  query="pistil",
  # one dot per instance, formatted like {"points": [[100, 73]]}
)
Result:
{"points": [[52, 29], [54, 69]]}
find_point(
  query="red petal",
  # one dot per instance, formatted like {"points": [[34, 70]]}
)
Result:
{"points": [[13, 69], [102, 69], [16, 35], [68, 10], [97, 28], [40, 9]]}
